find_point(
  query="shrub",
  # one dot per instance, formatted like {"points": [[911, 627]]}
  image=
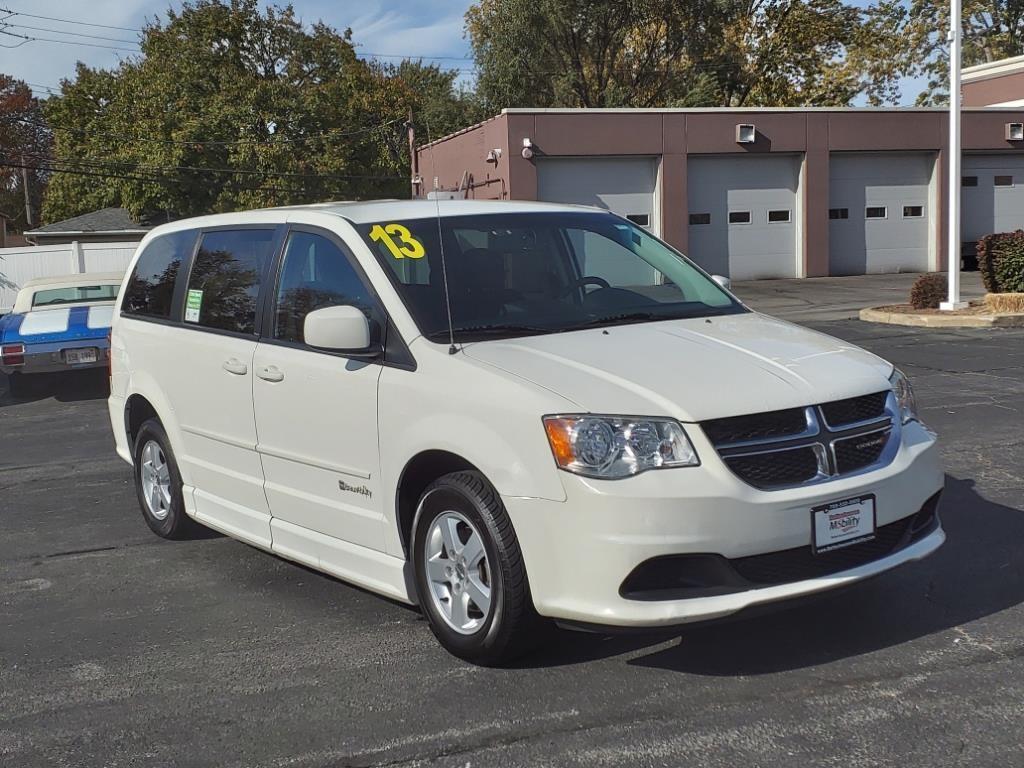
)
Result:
{"points": [[928, 291], [1010, 268], [991, 250]]}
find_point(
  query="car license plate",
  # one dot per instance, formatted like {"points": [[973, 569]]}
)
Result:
{"points": [[79, 356], [843, 523]]}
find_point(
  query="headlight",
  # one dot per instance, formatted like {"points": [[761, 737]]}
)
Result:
{"points": [[612, 447], [904, 396]]}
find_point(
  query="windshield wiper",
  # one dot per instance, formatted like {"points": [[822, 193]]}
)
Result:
{"points": [[619, 318], [495, 329]]}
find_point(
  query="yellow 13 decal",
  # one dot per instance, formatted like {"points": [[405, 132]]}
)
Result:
{"points": [[409, 246]]}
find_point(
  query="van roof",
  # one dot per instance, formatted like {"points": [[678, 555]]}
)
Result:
{"points": [[371, 211]]}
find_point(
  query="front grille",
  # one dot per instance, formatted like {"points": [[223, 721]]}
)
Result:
{"points": [[860, 451], [776, 469], [796, 446], [854, 410], [757, 426]]}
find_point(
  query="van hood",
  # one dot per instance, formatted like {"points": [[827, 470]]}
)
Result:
{"points": [[693, 370]]}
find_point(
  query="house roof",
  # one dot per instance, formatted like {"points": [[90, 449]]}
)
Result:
{"points": [[993, 69], [103, 220]]}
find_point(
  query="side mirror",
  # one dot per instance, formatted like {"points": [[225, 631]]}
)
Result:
{"points": [[343, 329], [725, 282]]}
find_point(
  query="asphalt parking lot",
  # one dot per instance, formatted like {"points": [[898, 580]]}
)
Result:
{"points": [[120, 649]]}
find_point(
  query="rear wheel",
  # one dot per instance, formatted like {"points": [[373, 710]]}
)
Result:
{"points": [[470, 575], [158, 484], [17, 384]]}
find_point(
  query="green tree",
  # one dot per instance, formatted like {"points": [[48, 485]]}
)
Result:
{"points": [[647, 53], [992, 30], [232, 106], [23, 137]]}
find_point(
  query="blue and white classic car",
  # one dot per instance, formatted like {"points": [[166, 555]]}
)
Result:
{"points": [[58, 324]]}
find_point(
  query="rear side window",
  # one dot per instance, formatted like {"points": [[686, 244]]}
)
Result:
{"points": [[224, 286], [315, 274], [74, 294], [150, 290]]}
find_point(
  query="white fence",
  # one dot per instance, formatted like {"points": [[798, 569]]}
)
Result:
{"points": [[18, 265]]}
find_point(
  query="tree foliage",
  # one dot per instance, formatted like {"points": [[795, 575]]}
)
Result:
{"points": [[230, 106], [992, 30], [23, 136], [648, 53]]}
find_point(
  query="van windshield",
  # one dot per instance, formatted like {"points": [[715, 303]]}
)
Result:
{"points": [[523, 274]]}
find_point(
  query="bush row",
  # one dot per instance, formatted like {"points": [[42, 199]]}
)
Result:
{"points": [[1001, 262]]}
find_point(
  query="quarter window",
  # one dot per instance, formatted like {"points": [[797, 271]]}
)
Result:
{"points": [[838, 213], [315, 274], [150, 290], [225, 282], [875, 212], [739, 217]]}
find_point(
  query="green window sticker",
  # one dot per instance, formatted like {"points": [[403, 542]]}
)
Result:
{"points": [[193, 303]]}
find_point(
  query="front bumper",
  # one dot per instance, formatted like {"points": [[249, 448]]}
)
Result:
{"points": [[51, 358], [579, 552]]}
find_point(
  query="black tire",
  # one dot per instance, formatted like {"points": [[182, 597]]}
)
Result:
{"points": [[176, 524], [18, 385], [512, 627]]}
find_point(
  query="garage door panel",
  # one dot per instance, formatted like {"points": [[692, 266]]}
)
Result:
{"points": [[988, 208], [623, 185], [750, 187], [880, 213]]}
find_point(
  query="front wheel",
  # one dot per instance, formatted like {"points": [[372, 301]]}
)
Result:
{"points": [[469, 570]]}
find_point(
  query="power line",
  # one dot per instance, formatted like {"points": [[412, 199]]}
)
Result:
{"points": [[66, 21], [33, 39], [144, 168], [212, 142], [73, 34]]}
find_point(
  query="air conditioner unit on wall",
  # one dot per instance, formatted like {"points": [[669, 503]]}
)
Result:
{"points": [[746, 133], [1015, 131]]}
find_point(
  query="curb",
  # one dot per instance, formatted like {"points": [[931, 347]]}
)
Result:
{"points": [[879, 315]]}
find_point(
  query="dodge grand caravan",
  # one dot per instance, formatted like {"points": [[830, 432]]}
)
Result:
{"points": [[506, 413]]}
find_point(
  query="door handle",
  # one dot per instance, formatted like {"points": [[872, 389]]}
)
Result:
{"points": [[271, 373], [235, 366]]}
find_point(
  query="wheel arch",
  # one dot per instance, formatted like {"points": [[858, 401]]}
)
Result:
{"points": [[418, 473]]}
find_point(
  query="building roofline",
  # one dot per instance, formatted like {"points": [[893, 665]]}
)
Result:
{"points": [[724, 110], [66, 232], [992, 69]]}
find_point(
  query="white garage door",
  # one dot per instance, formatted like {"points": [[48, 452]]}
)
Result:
{"points": [[744, 214], [879, 213], [624, 185], [992, 195]]}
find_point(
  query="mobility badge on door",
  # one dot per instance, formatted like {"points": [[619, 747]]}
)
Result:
{"points": [[193, 303]]}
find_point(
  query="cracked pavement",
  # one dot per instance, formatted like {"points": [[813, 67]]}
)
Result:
{"points": [[119, 649]]}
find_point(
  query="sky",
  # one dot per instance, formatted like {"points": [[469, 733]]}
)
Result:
{"points": [[428, 29]]}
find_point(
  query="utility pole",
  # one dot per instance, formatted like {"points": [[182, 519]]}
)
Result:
{"points": [[953, 235], [414, 161], [28, 198]]}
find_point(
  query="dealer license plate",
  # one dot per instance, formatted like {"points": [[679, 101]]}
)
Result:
{"points": [[843, 523], [79, 356]]}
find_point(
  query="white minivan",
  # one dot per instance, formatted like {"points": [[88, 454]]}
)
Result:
{"points": [[507, 413]]}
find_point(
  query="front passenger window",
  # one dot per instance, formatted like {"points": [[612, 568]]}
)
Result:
{"points": [[315, 274]]}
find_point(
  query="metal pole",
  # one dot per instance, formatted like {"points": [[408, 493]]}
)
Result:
{"points": [[28, 199], [953, 254]]}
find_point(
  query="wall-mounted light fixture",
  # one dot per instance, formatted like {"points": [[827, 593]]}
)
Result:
{"points": [[1015, 131], [493, 155], [746, 133], [527, 149]]}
